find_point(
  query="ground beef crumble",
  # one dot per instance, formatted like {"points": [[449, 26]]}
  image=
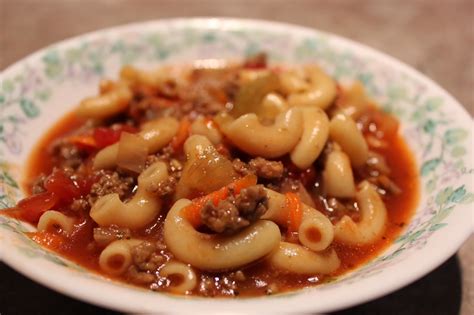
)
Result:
{"points": [[146, 259], [110, 182], [103, 236], [267, 169], [261, 167], [235, 213]]}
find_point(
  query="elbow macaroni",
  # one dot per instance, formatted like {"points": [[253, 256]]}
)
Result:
{"points": [[187, 279], [297, 259], [137, 212], [315, 232], [55, 220], [338, 179], [117, 256], [249, 135], [217, 252], [156, 133], [344, 131], [373, 218], [114, 101], [206, 128], [315, 135], [321, 93]]}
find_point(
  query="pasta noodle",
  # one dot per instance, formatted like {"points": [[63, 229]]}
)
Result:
{"points": [[249, 135], [313, 222], [320, 94], [272, 105], [187, 279], [344, 131], [315, 134], [55, 220], [217, 252], [299, 260], [206, 128], [99, 107], [117, 256], [137, 212], [337, 175], [373, 219], [150, 78]]}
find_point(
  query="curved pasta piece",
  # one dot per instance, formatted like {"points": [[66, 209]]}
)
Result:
{"points": [[271, 106], [152, 78], [156, 133], [217, 252], [321, 93], [292, 82], [206, 128], [52, 219], [108, 104], [373, 218], [315, 135], [338, 178], [344, 131], [353, 100], [137, 212], [117, 256], [249, 135], [316, 230], [297, 259], [186, 276]]}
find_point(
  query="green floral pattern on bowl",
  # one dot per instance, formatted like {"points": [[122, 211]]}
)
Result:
{"points": [[41, 88]]}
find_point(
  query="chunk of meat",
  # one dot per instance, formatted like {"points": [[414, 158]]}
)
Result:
{"points": [[38, 185], [110, 182], [267, 169], [241, 167], [103, 236], [165, 187], [67, 154], [146, 256], [235, 213]]}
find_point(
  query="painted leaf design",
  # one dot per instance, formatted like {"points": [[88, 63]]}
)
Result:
{"points": [[433, 103], [29, 108], [429, 126], [452, 136], [458, 151], [429, 166], [458, 194], [443, 195]]}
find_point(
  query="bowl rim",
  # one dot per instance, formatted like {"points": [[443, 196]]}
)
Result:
{"points": [[390, 284]]}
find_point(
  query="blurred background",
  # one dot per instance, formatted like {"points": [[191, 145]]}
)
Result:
{"points": [[434, 36]]}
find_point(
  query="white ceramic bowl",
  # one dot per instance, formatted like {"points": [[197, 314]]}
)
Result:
{"points": [[39, 89]]}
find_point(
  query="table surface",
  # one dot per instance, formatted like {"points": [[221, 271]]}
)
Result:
{"points": [[436, 37]]}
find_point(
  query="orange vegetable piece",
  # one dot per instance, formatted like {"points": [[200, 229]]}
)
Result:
{"points": [[295, 212], [182, 134], [193, 211]]}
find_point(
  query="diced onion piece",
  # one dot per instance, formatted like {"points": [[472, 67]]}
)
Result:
{"points": [[206, 173], [251, 94], [132, 152]]}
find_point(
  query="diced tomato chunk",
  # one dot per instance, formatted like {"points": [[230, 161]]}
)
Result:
{"points": [[108, 136], [33, 207], [62, 186]]}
